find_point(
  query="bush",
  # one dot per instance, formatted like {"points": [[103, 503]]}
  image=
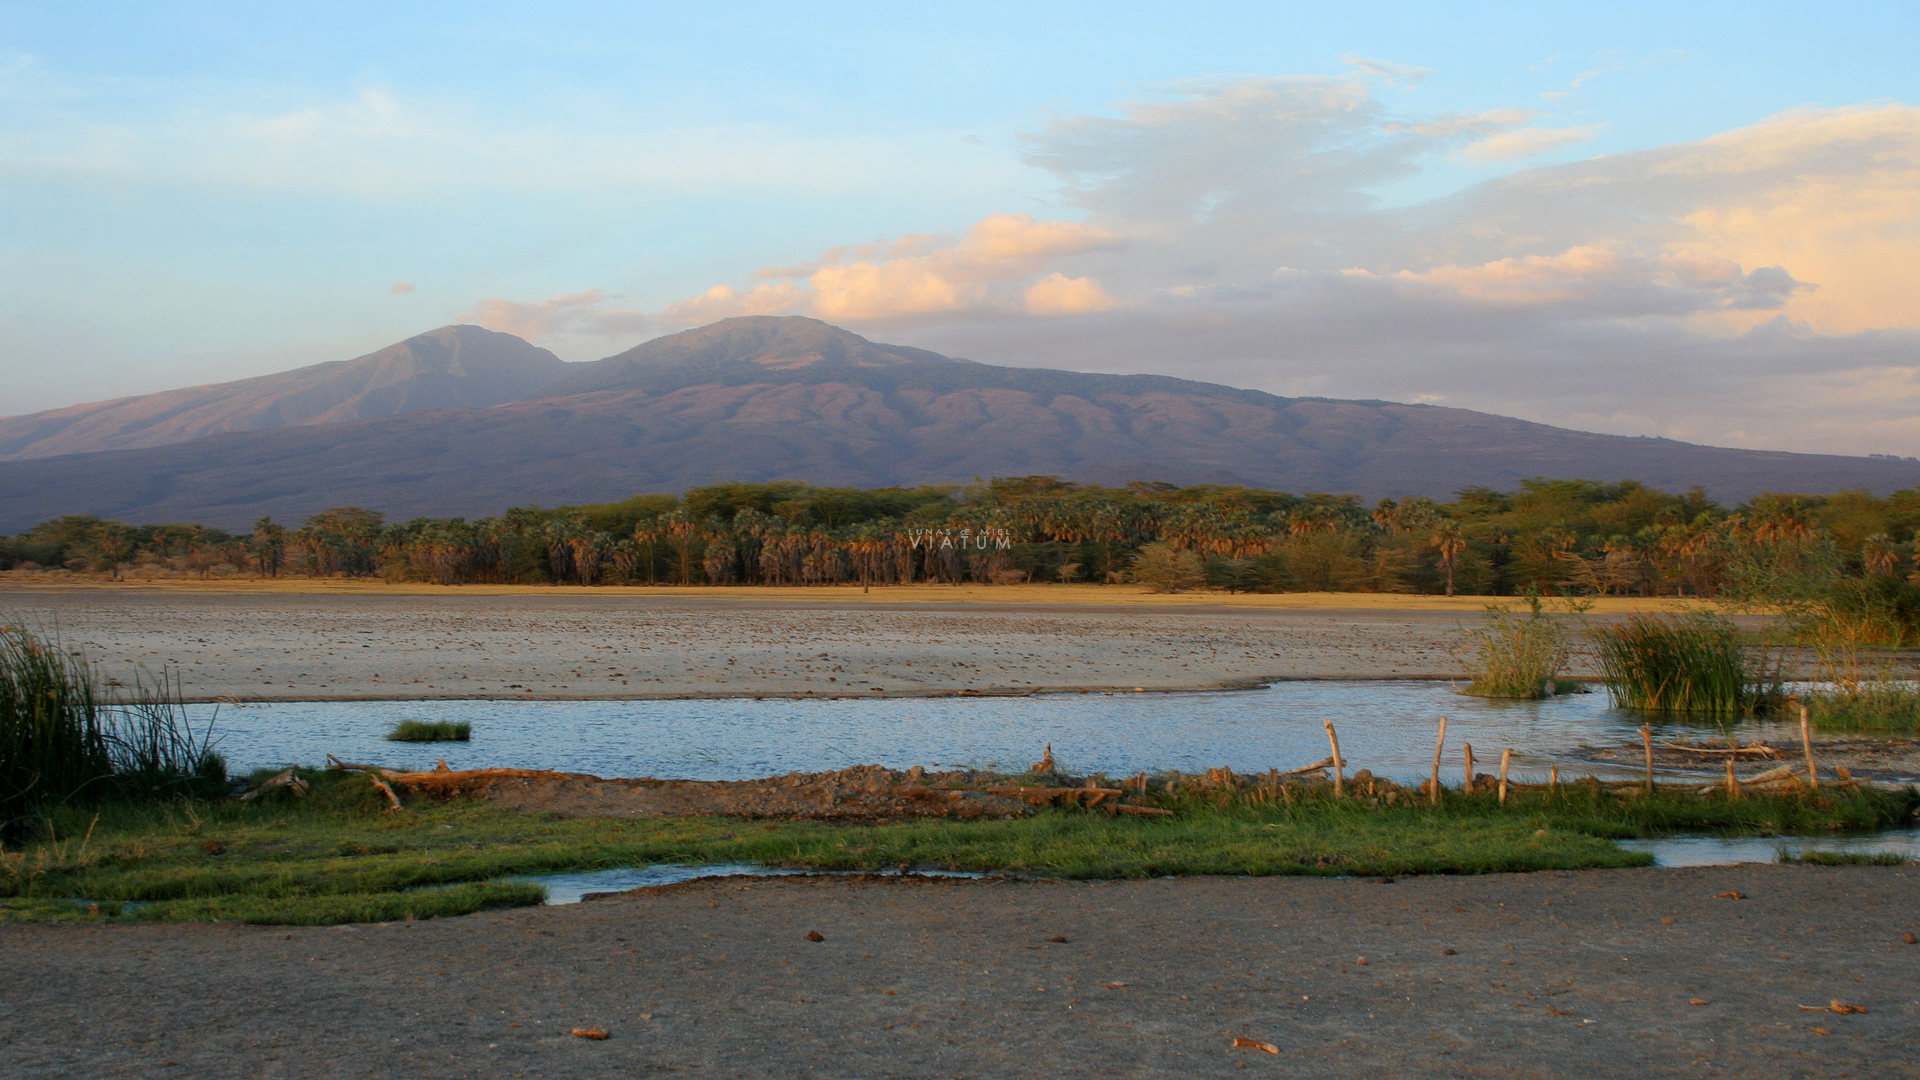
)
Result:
{"points": [[1519, 657], [1691, 665], [61, 742], [1162, 567]]}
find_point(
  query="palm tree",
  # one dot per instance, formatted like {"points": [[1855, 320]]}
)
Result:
{"points": [[1449, 543]]}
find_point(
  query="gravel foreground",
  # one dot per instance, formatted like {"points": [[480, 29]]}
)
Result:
{"points": [[1593, 974]]}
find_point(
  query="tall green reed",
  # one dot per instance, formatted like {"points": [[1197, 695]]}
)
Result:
{"points": [[1689, 665], [63, 741]]}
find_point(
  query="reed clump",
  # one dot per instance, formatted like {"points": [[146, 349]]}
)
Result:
{"points": [[62, 741], [1868, 705], [1519, 656], [1689, 665], [431, 731]]}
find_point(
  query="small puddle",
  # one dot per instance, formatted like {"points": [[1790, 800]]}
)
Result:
{"points": [[1732, 850], [573, 887]]}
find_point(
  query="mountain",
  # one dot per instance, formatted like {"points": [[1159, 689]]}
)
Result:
{"points": [[770, 398], [452, 367]]}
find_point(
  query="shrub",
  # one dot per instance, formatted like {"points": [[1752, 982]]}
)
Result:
{"points": [[1161, 567], [1690, 665], [1519, 657]]}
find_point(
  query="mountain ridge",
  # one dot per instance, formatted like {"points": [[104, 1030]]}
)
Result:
{"points": [[452, 366], [781, 398]]}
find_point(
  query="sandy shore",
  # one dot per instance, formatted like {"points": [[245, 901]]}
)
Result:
{"points": [[339, 641], [1641, 973]]}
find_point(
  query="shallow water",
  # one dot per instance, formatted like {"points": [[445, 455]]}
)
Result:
{"points": [[1729, 850], [1387, 726], [571, 888]]}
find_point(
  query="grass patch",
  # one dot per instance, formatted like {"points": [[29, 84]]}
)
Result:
{"points": [[1844, 858], [336, 857], [431, 731], [1690, 665], [1876, 705]]}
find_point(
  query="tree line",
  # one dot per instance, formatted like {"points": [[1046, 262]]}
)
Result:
{"points": [[1549, 537]]}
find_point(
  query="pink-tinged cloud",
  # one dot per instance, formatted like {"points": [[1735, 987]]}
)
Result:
{"points": [[1058, 294], [401, 288], [1526, 143], [579, 313]]}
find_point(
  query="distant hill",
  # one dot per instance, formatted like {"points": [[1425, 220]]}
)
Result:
{"points": [[790, 398], [452, 367]]}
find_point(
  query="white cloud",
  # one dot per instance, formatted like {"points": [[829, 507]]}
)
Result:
{"points": [[1754, 287], [1385, 70], [379, 145], [1525, 143]]}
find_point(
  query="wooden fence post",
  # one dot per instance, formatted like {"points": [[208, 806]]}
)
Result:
{"points": [[1646, 738], [1806, 744], [1339, 781], [1505, 757], [1438, 745]]}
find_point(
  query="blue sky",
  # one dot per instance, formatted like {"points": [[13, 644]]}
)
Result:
{"points": [[1619, 217]]}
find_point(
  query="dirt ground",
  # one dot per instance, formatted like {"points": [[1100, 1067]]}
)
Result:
{"points": [[256, 645], [865, 793], [1638, 973]]}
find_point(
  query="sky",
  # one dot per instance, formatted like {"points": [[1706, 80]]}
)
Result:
{"points": [[1699, 221]]}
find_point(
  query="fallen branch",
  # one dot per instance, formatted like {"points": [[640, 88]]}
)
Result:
{"points": [[374, 773], [1319, 766], [1750, 750], [336, 765], [287, 780]]}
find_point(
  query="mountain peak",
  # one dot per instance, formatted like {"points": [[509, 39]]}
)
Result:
{"points": [[459, 366], [742, 348]]}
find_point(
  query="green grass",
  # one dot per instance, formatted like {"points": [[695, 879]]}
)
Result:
{"points": [[1879, 706], [1518, 657], [1844, 858], [1689, 665], [431, 731], [336, 857]]}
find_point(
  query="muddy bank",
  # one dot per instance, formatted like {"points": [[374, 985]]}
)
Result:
{"points": [[262, 646], [1640, 973], [867, 794]]}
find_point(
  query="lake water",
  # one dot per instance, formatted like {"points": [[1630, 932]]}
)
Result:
{"points": [[1387, 726]]}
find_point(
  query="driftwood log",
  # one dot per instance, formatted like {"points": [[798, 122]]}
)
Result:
{"points": [[287, 779], [1748, 750]]}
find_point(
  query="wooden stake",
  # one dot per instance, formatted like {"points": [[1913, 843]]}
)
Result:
{"points": [[1646, 737], [1733, 786], [1553, 779], [1438, 745], [1339, 781], [1505, 757], [1467, 749], [1806, 743]]}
